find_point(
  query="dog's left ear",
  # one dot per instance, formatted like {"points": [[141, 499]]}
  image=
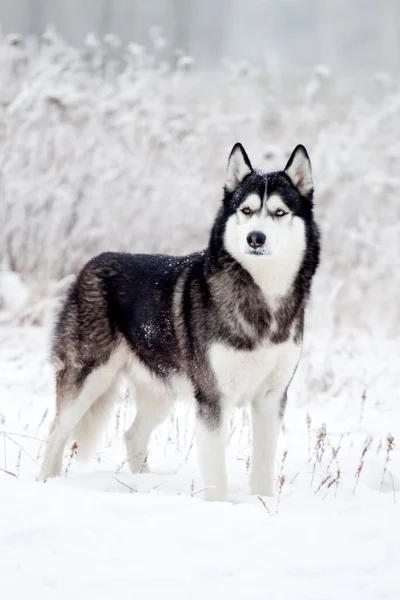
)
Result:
{"points": [[239, 167], [298, 170]]}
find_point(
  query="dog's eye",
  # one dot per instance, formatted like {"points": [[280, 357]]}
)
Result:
{"points": [[280, 213], [246, 211]]}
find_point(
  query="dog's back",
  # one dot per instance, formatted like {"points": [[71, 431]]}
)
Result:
{"points": [[118, 298]]}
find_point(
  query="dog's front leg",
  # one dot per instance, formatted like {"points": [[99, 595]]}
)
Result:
{"points": [[211, 441], [266, 425]]}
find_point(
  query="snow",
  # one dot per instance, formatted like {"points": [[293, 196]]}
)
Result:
{"points": [[100, 530], [98, 158], [62, 541], [14, 294]]}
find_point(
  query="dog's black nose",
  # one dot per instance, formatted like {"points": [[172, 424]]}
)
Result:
{"points": [[255, 239]]}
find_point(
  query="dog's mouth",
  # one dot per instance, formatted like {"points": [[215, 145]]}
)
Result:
{"points": [[262, 251]]}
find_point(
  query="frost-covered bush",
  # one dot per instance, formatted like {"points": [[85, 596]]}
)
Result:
{"points": [[97, 155]]}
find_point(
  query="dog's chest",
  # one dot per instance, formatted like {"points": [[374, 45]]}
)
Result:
{"points": [[242, 375]]}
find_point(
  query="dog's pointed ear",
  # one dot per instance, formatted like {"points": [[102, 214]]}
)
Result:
{"points": [[239, 167], [298, 169]]}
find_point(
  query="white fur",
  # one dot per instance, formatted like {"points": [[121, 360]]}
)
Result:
{"points": [[154, 401], [90, 427], [266, 426], [82, 418], [259, 378], [275, 270], [73, 410], [253, 201], [243, 375], [211, 446]]}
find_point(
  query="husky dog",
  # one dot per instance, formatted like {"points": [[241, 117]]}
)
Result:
{"points": [[224, 325]]}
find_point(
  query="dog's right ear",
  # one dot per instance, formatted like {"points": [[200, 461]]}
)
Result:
{"points": [[239, 167]]}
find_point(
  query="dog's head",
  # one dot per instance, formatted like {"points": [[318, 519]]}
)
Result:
{"points": [[267, 213]]}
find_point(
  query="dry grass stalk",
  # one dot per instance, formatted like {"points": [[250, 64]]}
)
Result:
{"points": [[144, 463], [42, 420], [38, 428], [190, 448], [329, 480], [389, 449], [367, 446], [324, 481], [281, 484], [8, 472], [117, 422], [74, 449], [245, 428], [232, 427], [18, 465], [264, 505], [178, 437], [308, 423], [23, 435], [319, 450], [7, 435], [335, 482], [335, 452], [281, 467], [131, 489], [121, 465], [363, 399], [126, 402], [198, 492], [5, 453]]}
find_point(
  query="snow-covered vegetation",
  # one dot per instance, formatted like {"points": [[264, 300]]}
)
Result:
{"points": [[97, 155]]}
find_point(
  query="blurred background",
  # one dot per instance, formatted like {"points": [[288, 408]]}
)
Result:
{"points": [[352, 37], [116, 121]]}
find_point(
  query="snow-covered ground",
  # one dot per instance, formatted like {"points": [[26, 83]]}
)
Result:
{"points": [[101, 531]]}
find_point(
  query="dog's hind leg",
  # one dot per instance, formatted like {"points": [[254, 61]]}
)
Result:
{"points": [[77, 391], [91, 425], [152, 408], [67, 391]]}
